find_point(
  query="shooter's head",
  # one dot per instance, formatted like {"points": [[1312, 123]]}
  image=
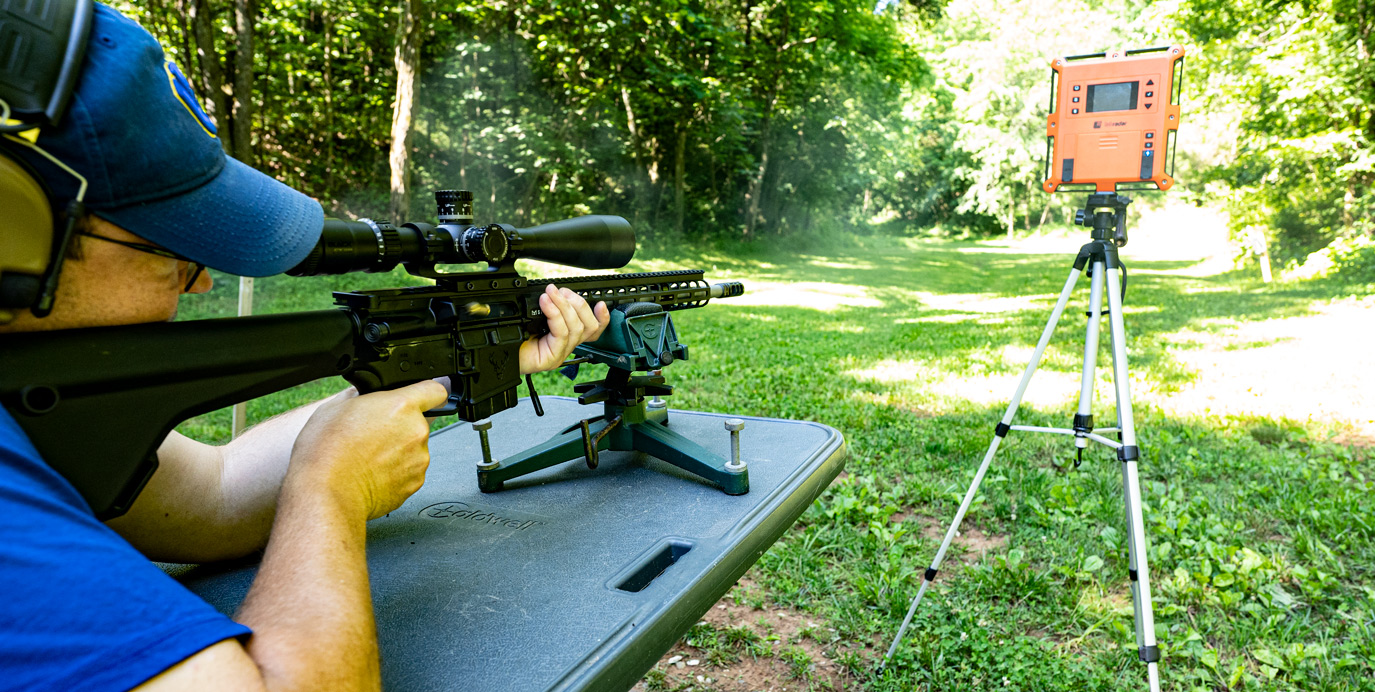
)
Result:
{"points": [[135, 148]]}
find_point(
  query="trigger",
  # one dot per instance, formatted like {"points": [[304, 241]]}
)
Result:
{"points": [[448, 408]]}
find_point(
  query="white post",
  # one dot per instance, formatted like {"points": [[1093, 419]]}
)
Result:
{"points": [[240, 420]]}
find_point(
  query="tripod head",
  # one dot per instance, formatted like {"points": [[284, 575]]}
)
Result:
{"points": [[1106, 214]]}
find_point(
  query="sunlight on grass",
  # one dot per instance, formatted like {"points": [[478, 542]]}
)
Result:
{"points": [[1265, 368], [1097, 602], [980, 303], [955, 318], [808, 294], [1049, 390], [893, 371], [829, 264], [842, 328]]}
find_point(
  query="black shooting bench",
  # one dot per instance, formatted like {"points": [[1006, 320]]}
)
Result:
{"points": [[571, 578]]}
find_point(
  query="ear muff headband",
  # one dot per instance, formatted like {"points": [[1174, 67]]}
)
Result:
{"points": [[45, 45]]}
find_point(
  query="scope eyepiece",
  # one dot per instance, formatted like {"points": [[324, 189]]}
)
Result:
{"points": [[588, 242]]}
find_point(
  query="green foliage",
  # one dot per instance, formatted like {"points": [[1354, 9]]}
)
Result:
{"points": [[702, 116], [744, 110], [323, 86], [793, 117], [1291, 81]]}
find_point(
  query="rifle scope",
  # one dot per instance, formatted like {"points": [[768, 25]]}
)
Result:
{"points": [[589, 242]]}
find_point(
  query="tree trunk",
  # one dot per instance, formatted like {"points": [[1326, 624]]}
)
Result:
{"points": [[188, 56], [527, 202], [329, 107], [1026, 211], [211, 72], [630, 120], [409, 31], [679, 170], [757, 180], [653, 167], [244, 14]]}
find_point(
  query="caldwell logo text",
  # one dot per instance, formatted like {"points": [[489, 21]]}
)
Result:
{"points": [[462, 510]]}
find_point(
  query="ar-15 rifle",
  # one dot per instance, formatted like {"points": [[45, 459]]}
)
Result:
{"points": [[97, 403]]}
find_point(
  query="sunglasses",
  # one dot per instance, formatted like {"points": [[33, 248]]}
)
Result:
{"points": [[196, 267]]}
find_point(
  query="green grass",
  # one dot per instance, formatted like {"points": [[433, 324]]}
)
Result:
{"points": [[1260, 530]]}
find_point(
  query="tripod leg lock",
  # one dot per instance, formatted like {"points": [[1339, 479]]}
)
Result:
{"points": [[1149, 654], [1132, 575], [930, 574], [1083, 423], [1129, 453], [1002, 430]]}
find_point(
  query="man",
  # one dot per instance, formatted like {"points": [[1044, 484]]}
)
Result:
{"points": [[83, 608]]}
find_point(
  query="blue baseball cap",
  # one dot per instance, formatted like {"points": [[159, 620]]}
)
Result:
{"points": [[156, 168]]}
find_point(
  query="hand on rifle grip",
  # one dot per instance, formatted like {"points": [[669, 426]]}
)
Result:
{"points": [[571, 322]]}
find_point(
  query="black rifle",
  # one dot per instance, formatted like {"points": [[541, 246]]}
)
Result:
{"points": [[97, 403]]}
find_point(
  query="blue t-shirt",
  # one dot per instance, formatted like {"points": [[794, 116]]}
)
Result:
{"points": [[80, 608]]}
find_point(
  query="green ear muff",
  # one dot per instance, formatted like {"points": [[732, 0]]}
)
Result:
{"points": [[26, 235]]}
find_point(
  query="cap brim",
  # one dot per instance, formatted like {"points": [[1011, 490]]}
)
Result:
{"points": [[242, 222]]}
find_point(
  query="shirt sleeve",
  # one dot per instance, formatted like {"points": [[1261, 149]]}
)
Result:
{"points": [[82, 609]]}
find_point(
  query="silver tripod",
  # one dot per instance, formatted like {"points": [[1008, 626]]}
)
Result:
{"points": [[1106, 214]]}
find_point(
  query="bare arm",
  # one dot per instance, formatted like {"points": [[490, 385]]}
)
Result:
{"points": [[309, 607], [208, 503]]}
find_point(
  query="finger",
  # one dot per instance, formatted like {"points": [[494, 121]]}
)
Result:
{"points": [[603, 316], [585, 316], [424, 395], [548, 304], [570, 313]]}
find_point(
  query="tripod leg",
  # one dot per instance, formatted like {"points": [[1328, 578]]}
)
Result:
{"points": [[1003, 428], [1083, 419], [1139, 571]]}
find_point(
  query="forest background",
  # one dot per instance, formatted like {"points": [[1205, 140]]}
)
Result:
{"points": [[802, 120]]}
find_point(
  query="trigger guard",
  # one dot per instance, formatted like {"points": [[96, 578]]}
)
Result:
{"points": [[448, 408]]}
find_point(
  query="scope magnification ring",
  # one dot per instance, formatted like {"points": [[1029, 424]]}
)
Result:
{"points": [[388, 242], [377, 232]]}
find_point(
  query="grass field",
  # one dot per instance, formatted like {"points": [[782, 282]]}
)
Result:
{"points": [[1261, 527]]}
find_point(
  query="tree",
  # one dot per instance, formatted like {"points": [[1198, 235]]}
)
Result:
{"points": [[242, 113], [1295, 81], [409, 34]]}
